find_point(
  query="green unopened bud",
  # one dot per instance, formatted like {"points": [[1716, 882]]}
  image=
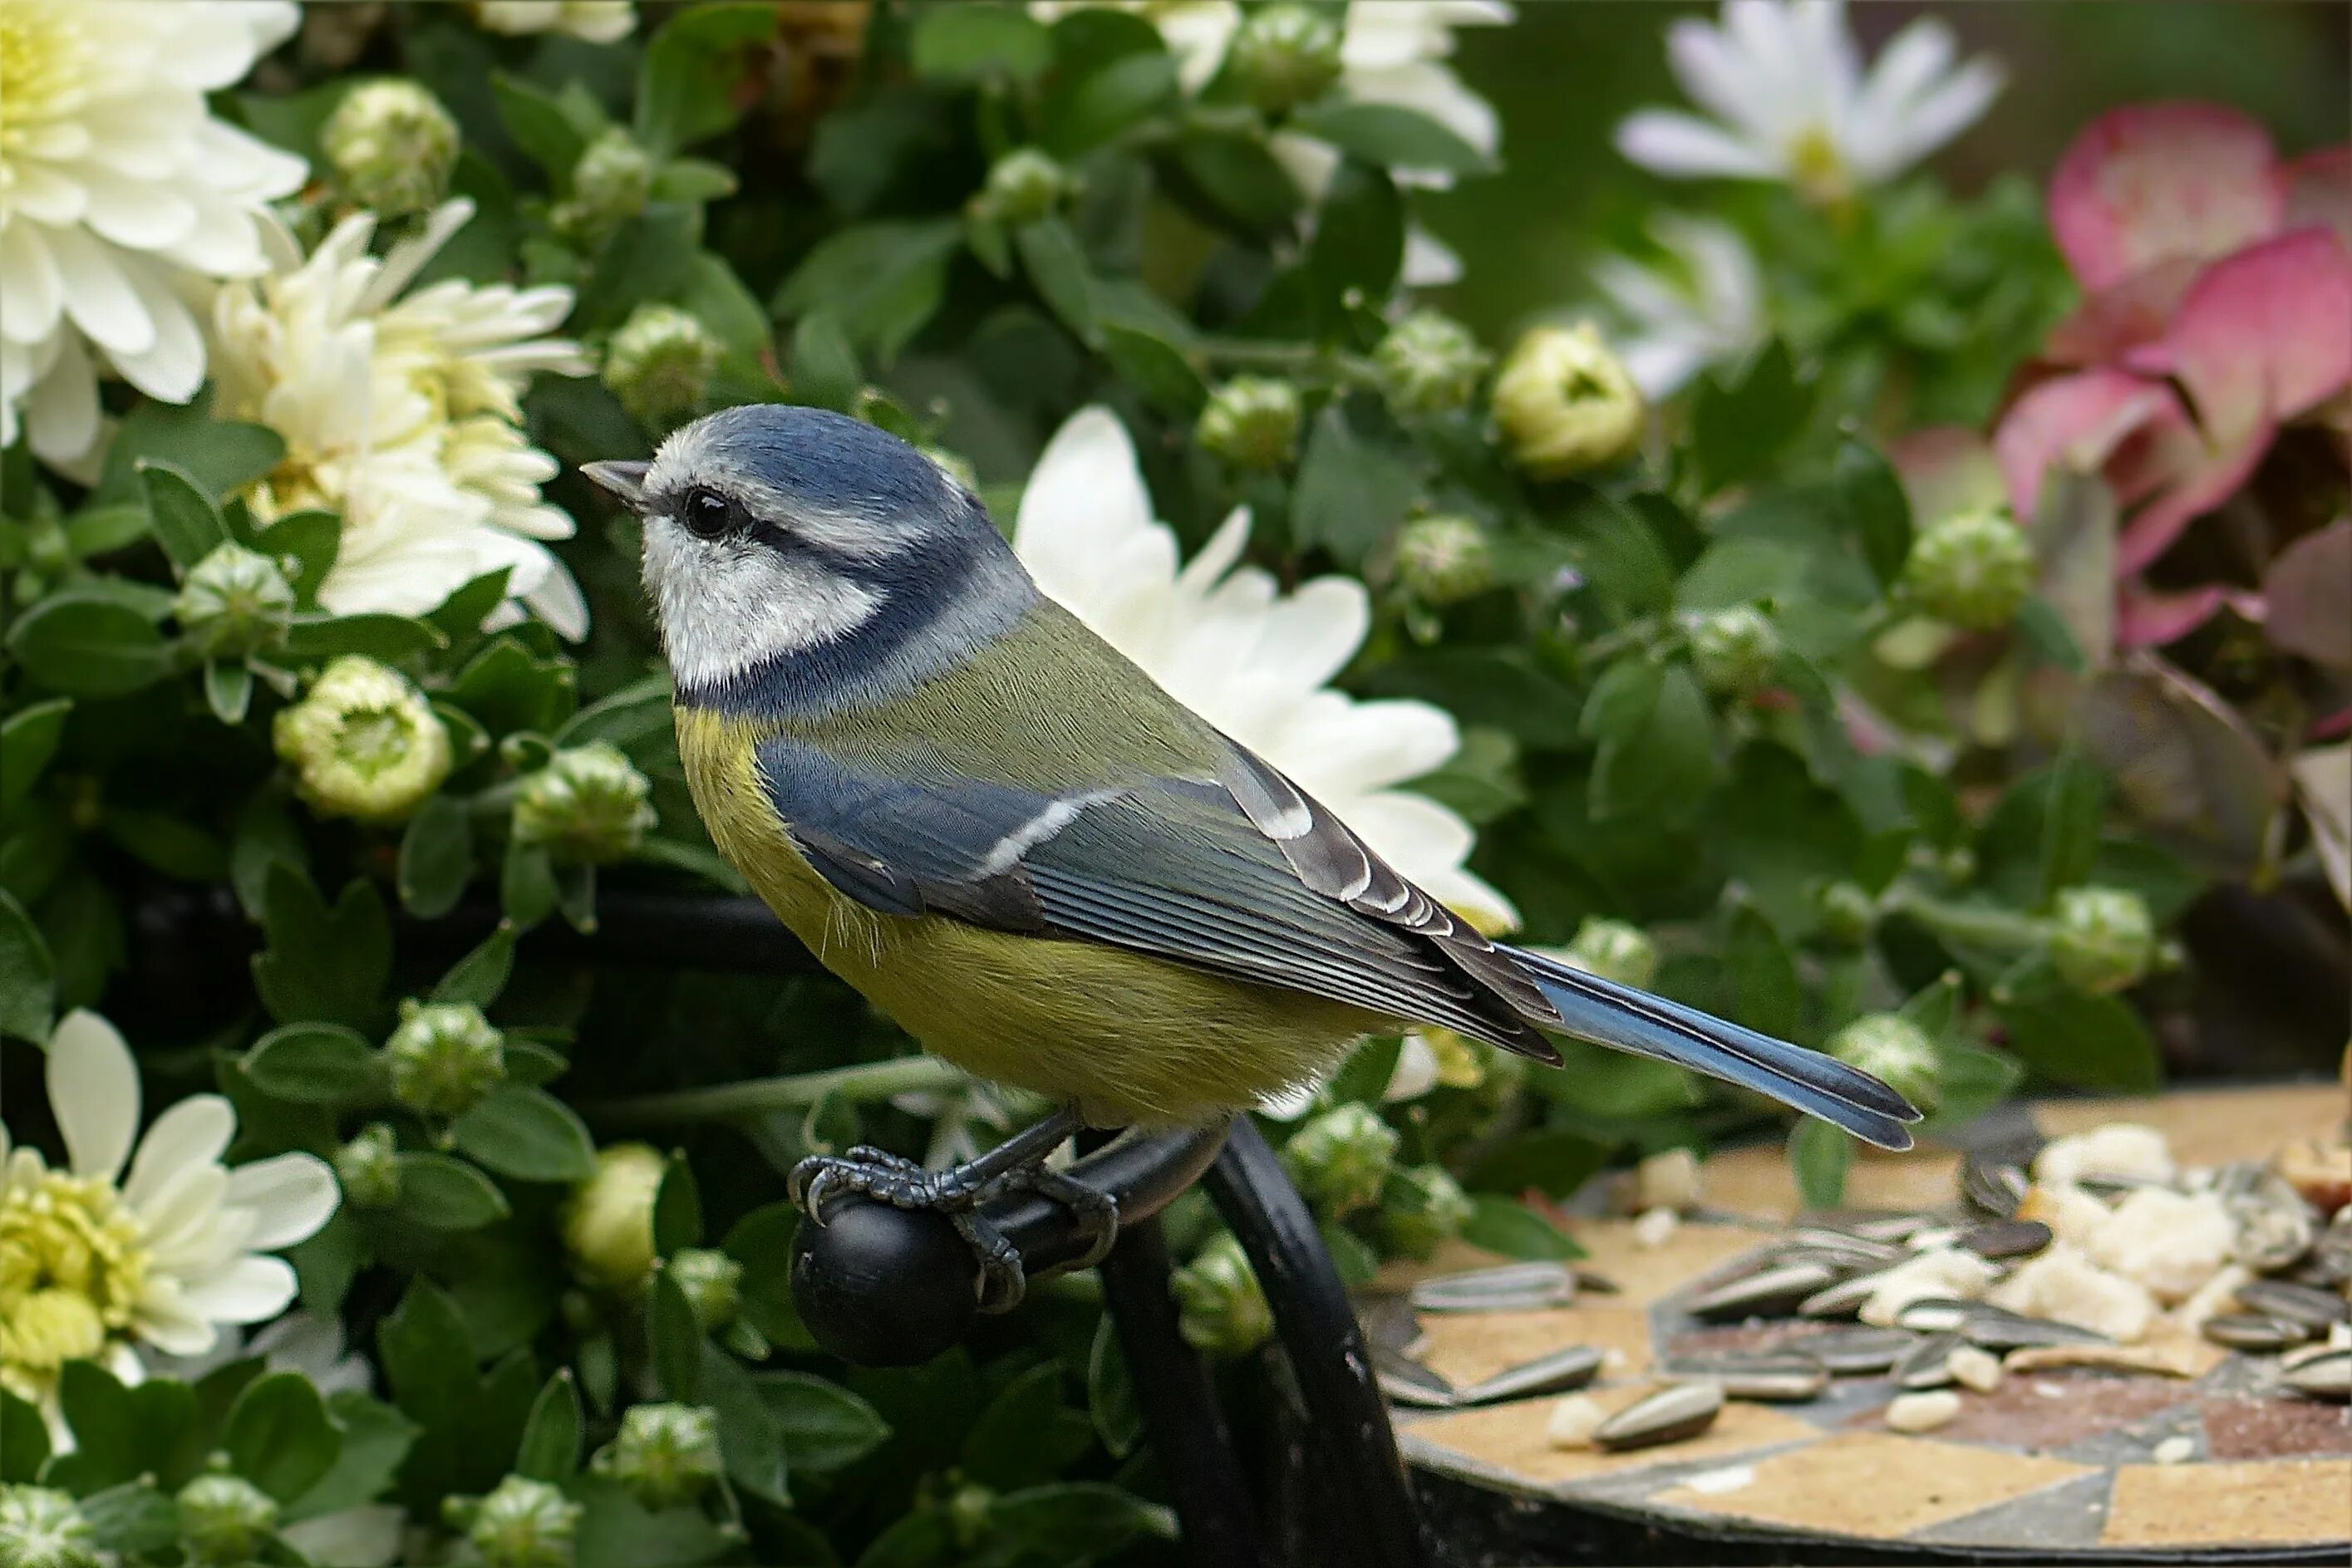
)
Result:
{"points": [[1445, 560], [968, 1508], [1429, 364], [444, 1057], [665, 1454], [236, 601], [1222, 1308], [1734, 651], [1252, 421], [1847, 912], [1565, 404], [608, 1226], [1896, 1051], [225, 1518], [1973, 570], [368, 1167], [2105, 940], [41, 1527], [524, 1524], [1341, 1158], [659, 365], [392, 146], [1614, 951], [1284, 56], [611, 183], [1422, 1207], [712, 1283], [1023, 186], [362, 743], [588, 805]]}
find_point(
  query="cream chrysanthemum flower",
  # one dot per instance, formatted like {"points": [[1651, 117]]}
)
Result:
{"points": [[597, 21], [1251, 659], [121, 198], [403, 414], [95, 1264], [1703, 305]]}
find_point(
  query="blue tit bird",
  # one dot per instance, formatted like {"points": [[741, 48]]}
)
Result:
{"points": [[1049, 871]]}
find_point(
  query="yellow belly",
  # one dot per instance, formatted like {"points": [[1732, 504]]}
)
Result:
{"points": [[1132, 1040]]}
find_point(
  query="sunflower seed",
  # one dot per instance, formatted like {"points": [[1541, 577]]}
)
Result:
{"points": [[1992, 1328], [1870, 1224], [1563, 1370], [1815, 1243], [2327, 1375], [1934, 1315], [2253, 1331], [1410, 1383], [1677, 1411], [1842, 1299], [2305, 1304], [2274, 1226], [2006, 1238], [1768, 1293], [1856, 1350], [1994, 1186], [1513, 1287], [1928, 1365], [2302, 1353], [1777, 1376]]}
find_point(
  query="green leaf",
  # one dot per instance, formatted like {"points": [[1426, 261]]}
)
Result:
{"points": [[223, 456], [1236, 181], [186, 520], [1614, 1086], [1933, 1008], [527, 890], [1102, 103], [1359, 240], [1619, 552], [824, 368], [882, 281], [305, 545], [1073, 1522], [375, 1439], [1352, 492], [673, 1340], [324, 964], [538, 124], [959, 43], [750, 1439], [618, 1531], [1365, 1074], [118, 1433], [470, 604], [1503, 1225], [1820, 1154], [171, 845], [1390, 137], [228, 689], [1554, 1161], [508, 688], [314, 1064], [387, 638], [24, 1439], [1767, 995], [2093, 1042], [2075, 806], [279, 1436], [1875, 509], [1111, 1393], [687, 92], [133, 1518], [762, 1242], [551, 1437], [1027, 1434], [428, 1359], [1155, 368], [101, 529], [88, 643], [28, 738], [1664, 766], [28, 977], [1057, 269], [527, 1134], [1742, 421], [678, 1208], [441, 1193], [481, 975], [437, 857]]}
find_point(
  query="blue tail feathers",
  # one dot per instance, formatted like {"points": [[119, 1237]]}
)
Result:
{"points": [[1610, 1014]]}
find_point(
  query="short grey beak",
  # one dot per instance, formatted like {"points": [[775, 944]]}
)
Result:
{"points": [[624, 480]]}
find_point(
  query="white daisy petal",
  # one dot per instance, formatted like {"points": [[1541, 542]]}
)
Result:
{"points": [[93, 1093], [1679, 145], [293, 1195], [247, 1291], [194, 1132]]}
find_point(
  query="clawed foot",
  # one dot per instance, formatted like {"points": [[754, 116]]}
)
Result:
{"points": [[960, 1193]]}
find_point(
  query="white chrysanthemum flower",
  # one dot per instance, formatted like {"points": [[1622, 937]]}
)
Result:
{"points": [[120, 198], [95, 1265], [1791, 102], [402, 413], [597, 21], [1251, 659], [1705, 306]]}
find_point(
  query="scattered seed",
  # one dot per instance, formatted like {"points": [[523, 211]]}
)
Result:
{"points": [[1573, 1421], [2006, 1238], [1870, 1224], [1934, 1315], [2305, 1304], [1775, 1377], [1928, 1363], [2274, 1226], [1513, 1287], [1996, 1328], [1407, 1382], [2327, 1375], [1677, 1412], [1842, 1299], [1831, 1246], [1975, 1368], [1769, 1292], [2253, 1331], [1572, 1367], [1994, 1186], [1655, 1227], [1856, 1350], [2174, 1451], [1922, 1412]]}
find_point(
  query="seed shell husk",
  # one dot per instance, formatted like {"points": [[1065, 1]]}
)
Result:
{"points": [[2274, 1225], [1675, 1413], [1771, 1377], [1934, 1315], [1928, 1365], [1992, 1328], [2306, 1304], [1513, 1287], [1768, 1293], [2255, 1331], [1859, 1350], [2327, 1375], [1842, 1299], [1995, 1187], [1556, 1373], [2000, 1239]]}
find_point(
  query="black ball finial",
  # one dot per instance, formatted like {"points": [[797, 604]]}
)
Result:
{"points": [[884, 1286]]}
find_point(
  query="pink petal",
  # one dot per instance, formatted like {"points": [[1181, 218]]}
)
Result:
{"points": [[2150, 618], [2121, 317], [2309, 586], [2156, 180], [2078, 421], [2319, 191], [2265, 334], [2224, 474]]}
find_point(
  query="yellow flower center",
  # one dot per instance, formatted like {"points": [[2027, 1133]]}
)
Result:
{"points": [[44, 69], [1817, 167], [73, 1267]]}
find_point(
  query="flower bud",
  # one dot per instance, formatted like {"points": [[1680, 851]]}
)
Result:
{"points": [[1023, 186], [588, 804], [1444, 560], [363, 743], [444, 1057], [1223, 1310], [1429, 364], [1734, 651], [40, 1527], [659, 365], [368, 1167], [392, 146], [1614, 951], [968, 1508], [236, 601], [595, 21], [2105, 940], [1283, 55], [665, 1454], [1421, 1208], [712, 1283], [1974, 570], [608, 1226], [1896, 1051], [1341, 1158], [524, 1524], [1847, 912], [1565, 404], [1252, 421], [225, 1518], [611, 183]]}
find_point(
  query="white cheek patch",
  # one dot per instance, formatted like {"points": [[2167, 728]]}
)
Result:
{"points": [[726, 608]]}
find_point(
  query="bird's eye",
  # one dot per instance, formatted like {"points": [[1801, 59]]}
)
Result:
{"points": [[708, 513]]}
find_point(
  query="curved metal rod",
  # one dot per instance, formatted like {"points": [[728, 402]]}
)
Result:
{"points": [[1144, 1172]]}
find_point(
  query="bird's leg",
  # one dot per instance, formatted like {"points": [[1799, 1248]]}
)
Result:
{"points": [[1017, 1164]]}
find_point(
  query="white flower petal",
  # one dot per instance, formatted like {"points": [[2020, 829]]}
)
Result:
{"points": [[31, 295], [1677, 145], [247, 1291], [293, 1194], [1936, 118], [62, 411], [98, 296], [93, 1093], [193, 1132]]}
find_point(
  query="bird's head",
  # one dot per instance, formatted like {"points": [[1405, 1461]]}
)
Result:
{"points": [[787, 549]]}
